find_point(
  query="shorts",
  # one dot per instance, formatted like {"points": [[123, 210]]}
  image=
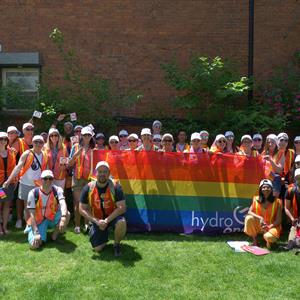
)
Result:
{"points": [[43, 227], [9, 193], [277, 183], [78, 184], [99, 237], [24, 191]]}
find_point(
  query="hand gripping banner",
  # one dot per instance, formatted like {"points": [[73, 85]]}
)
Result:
{"points": [[185, 193]]}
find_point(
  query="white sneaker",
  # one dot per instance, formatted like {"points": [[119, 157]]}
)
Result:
{"points": [[27, 229], [86, 228], [18, 224], [77, 230]]}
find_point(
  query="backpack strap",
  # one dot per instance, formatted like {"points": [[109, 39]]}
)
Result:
{"points": [[36, 194]]}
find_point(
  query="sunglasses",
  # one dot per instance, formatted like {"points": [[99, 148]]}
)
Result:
{"points": [[3, 139], [113, 142], [297, 142], [86, 135], [230, 137], [38, 142], [79, 130], [283, 140], [132, 141], [123, 136], [195, 141], [222, 142], [168, 141], [13, 132], [29, 129], [48, 178], [157, 140], [54, 135], [257, 140]]}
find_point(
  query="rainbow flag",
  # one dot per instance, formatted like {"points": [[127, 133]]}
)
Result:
{"points": [[2, 194], [186, 193]]}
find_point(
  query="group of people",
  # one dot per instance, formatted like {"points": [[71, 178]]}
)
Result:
{"points": [[39, 170]]}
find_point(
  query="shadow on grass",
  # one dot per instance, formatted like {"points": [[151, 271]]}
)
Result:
{"points": [[128, 258], [15, 236], [61, 244]]}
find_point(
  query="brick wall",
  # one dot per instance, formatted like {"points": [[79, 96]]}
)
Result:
{"points": [[126, 40]]}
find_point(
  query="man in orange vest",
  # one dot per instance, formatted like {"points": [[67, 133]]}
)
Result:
{"points": [[292, 208], [48, 209], [29, 168], [102, 203]]}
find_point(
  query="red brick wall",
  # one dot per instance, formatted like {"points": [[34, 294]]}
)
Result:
{"points": [[126, 40]]}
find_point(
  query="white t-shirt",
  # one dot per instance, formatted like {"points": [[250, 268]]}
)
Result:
{"points": [[34, 172], [31, 199]]}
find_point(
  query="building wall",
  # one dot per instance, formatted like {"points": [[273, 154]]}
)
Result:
{"points": [[127, 40]]}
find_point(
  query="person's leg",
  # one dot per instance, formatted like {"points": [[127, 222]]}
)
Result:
{"points": [[77, 216], [42, 229], [56, 224], [120, 230], [20, 208], [98, 238], [5, 215], [270, 237], [252, 227], [1, 218]]}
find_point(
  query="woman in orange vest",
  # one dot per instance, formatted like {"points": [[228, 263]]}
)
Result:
{"points": [[204, 135], [275, 165], [219, 144], [182, 146], [230, 145], [7, 164], [246, 147], [57, 157], [264, 215], [81, 158]]}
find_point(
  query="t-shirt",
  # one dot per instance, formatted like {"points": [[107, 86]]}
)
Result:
{"points": [[289, 195], [34, 172], [31, 201], [119, 196]]}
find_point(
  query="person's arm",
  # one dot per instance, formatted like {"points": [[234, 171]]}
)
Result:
{"points": [[260, 218], [64, 210], [120, 209], [16, 169], [73, 157], [31, 209], [277, 168], [278, 218], [288, 209]]}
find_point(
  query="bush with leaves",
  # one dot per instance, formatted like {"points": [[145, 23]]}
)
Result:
{"points": [[213, 94]]}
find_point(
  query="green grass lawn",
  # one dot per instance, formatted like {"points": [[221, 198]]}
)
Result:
{"points": [[153, 266]]}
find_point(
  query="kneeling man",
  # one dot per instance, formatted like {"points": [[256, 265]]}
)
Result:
{"points": [[48, 209], [102, 203]]}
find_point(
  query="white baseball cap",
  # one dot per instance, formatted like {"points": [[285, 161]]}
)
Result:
{"points": [[297, 138], [157, 122], [246, 136], [283, 135], [113, 138], [52, 130], [38, 138], [87, 130], [297, 172], [266, 182], [3, 134], [167, 135], [156, 137], [297, 159], [47, 173], [102, 163], [272, 137], [12, 128], [27, 125], [228, 134], [204, 132], [146, 131], [123, 132], [133, 135], [257, 136], [195, 136]]}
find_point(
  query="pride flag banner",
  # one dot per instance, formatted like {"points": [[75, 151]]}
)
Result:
{"points": [[185, 193]]}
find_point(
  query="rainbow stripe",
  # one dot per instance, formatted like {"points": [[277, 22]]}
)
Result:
{"points": [[185, 192]]}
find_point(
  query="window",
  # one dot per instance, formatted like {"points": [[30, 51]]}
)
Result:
{"points": [[20, 87]]}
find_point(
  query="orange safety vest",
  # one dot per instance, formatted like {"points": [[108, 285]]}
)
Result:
{"points": [[50, 209], [22, 146], [268, 166], [11, 163], [83, 166], [186, 147], [58, 172], [99, 210], [270, 212], [289, 159], [29, 161]]}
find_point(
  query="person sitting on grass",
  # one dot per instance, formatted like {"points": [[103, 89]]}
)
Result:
{"points": [[264, 215], [48, 209], [102, 203]]}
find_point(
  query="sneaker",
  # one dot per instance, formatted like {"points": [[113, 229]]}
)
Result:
{"points": [[18, 224], [27, 229], [77, 230], [117, 250], [86, 228]]}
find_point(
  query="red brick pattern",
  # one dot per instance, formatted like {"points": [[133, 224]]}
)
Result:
{"points": [[127, 40]]}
